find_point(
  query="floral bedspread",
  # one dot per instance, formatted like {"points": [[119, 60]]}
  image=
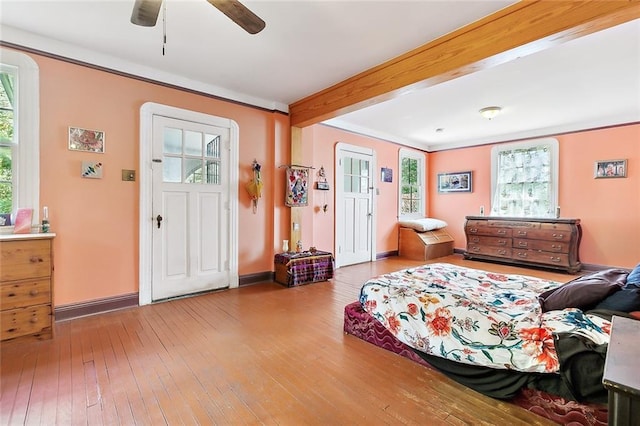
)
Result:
{"points": [[476, 317]]}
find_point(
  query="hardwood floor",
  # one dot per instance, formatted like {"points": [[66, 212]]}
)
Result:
{"points": [[261, 354]]}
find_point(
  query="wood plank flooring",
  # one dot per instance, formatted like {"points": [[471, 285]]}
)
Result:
{"points": [[261, 354]]}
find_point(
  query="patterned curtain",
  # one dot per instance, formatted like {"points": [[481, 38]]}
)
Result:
{"points": [[523, 184]]}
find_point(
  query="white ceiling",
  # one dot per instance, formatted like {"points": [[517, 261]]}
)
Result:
{"points": [[309, 45]]}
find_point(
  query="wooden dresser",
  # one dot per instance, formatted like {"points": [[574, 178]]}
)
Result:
{"points": [[548, 243], [26, 286]]}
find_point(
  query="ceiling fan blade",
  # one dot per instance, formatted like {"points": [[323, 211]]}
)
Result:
{"points": [[145, 12], [239, 14]]}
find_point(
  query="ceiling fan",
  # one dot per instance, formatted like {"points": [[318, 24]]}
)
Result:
{"points": [[145, 13]]}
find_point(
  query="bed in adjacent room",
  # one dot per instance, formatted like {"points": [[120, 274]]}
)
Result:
{"points": [[530, 340]]}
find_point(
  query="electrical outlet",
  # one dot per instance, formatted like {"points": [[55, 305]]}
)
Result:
{"points": [[481, 210]]}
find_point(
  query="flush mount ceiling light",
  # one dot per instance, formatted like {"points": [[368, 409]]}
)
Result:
{"points": [[490, 112]]}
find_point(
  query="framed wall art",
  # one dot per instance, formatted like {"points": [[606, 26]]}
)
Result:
{"points": [[610, 169], [297, 186], [455, 182], [86, 140], [386, 174]]}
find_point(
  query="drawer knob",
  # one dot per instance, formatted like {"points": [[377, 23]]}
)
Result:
{"points": [[35, 259], [522, 254], [522, 244], [33, 292], [473, 230], [502, 252], [501, 231], [555, 259], [558, 236], [475, 240], [523, 233], [34, 320], [502, 242]]}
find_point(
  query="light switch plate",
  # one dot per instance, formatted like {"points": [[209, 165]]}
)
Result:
{"points": [[128, 175]]}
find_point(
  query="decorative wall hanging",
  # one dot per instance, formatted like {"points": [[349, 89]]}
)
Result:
{"points": [[254, 187], [297, 186], [91, 170], [86, 140], [386, 174], [454, 182], [610, 169], [322, 180]]}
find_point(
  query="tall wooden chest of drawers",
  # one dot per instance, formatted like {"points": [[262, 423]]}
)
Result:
{"points": [[548, 243], [26, 286]]}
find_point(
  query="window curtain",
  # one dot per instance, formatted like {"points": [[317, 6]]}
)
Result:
{"points": [[523, 184]]}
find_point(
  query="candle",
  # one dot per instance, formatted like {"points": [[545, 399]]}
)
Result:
{"points": [[46, 212]]}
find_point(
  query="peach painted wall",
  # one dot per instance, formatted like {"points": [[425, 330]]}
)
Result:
{"points": [[609, 209], [96, 250], [324, 140], [96, 221]]}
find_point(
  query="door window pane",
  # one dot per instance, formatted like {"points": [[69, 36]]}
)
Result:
{"points": [[213, 172], [172, 169], [213, 145], [172, 141], [192, 143], [193, 170], [364, 167]]}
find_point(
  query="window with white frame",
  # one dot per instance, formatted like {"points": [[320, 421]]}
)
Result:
{"points": [[19, 134], [411, 184], [524, 177]]}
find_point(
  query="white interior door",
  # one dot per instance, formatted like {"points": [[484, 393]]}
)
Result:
{"points": [[354, 205], [190, 199]]}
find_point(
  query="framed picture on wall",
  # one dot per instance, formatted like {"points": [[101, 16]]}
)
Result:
{"points": [[455, 182], [610, 169], [86, 140]]}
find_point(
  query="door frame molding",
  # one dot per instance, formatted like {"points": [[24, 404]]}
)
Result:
{"points": [[145, 263], [340, 148]]}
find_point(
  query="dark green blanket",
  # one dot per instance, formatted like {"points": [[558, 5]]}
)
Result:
{"points": [[579, 378]]}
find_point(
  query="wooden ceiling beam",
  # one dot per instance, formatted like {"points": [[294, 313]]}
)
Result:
{"points": [[521, 29]]}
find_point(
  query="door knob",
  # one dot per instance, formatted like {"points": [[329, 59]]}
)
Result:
{"points": [[159, 219]]}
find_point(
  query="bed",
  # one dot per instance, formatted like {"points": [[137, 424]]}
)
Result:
{"points": [[533, 341]]}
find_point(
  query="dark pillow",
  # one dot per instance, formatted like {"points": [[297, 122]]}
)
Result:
{"points": [[584, 292], [625, 300], [634, 277]]}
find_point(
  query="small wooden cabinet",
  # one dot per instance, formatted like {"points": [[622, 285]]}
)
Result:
{"points": [[549, 243], [26, 286]]}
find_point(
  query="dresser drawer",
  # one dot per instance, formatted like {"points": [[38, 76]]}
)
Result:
{"points": [[489, 241], [543, 258], [23, 321], [490, 250], [25, 259], [541, 245], [481, 228], [18, 294], [543, 234]]}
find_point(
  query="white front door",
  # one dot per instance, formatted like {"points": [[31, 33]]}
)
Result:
{"points": [[354, 205], [190, 199]]}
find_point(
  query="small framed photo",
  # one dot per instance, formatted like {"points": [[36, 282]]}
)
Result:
{"points": [[610, 169], [455, 182], [386, 174], [86, 140]]}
